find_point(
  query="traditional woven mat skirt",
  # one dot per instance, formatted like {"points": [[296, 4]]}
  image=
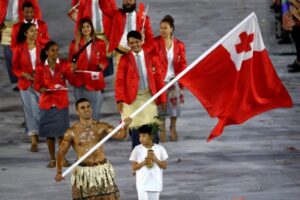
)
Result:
{"points": [[146, 116]]}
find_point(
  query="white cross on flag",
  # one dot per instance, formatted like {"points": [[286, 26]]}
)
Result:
{"points": [[236, 80]]}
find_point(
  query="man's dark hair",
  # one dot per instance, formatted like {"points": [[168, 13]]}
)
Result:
{"points": [[27, 4], [80, 101], [145, 129], [134, 34]]}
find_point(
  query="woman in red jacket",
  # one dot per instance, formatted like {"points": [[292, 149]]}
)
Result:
{"points": [[88, 55], [25, 60], [50, 81], [171, 55]]}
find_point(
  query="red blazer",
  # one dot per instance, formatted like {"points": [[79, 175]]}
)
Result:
{"points": [[127, 78], [43, 36], [44, 78], [4, 4], [85, 10], [118, 18], [179, 61], [21, 62], [98, 56]]}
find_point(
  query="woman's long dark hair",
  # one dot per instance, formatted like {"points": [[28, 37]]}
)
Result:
{"points": [[48, 45], [23, 29]]}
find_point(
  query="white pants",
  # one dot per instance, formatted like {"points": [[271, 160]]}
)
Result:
{"points": [[145, 195]]}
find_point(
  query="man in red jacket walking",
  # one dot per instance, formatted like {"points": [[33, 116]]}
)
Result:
{"points": [[138, 79], [123, 21], [28, 12]]}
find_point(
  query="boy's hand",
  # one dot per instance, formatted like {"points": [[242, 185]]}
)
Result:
{"points": [[148, 161], [151, 156]]}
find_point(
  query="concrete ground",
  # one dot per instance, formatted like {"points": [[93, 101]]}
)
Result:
{"points": [[258, 160]]}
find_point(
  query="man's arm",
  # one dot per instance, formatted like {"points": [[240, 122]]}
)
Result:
{"points": [[63, 149], [121, 135], [159, 82], [44, 35], [120, 82], [108, 7]]}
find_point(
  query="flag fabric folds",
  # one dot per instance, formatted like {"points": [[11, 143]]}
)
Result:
{"points": [[237, 80]]}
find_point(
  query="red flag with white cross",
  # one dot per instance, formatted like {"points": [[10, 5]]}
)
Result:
{"points": [[236, 80]]}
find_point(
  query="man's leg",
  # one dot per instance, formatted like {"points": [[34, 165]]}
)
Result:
{"points": [[134, 134], [8, 62], [295, 67]]}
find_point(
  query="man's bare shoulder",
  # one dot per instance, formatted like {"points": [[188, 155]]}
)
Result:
{"points": [[104, 126], [100, 123], [72, 130]]}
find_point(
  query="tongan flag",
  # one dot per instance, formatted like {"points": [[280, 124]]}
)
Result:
{"points": [[235, 79]]}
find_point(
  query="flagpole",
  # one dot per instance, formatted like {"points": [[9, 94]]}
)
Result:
{"points": [[143, 26], [180, 75]]}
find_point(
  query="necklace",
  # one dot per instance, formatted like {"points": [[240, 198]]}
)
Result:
{"points": [[86, 127]]}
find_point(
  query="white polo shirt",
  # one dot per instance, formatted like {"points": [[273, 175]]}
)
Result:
{"points": [[149, 179]]}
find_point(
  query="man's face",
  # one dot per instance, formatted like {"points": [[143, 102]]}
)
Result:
{"points": [[135, 44], [28, 13], [129, 5], [84, 110]]}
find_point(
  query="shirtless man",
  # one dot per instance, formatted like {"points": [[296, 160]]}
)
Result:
{"points": [[94, 177]]}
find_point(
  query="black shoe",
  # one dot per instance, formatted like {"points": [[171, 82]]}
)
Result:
{"points": [[285, 40], [275, 7], [23, 125], [290, 66], [295, 68], [16, 89]]}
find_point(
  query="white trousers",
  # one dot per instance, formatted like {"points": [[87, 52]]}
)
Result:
{"points": [[145, 195]]}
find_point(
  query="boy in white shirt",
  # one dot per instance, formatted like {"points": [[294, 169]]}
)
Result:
{"points": [[148, 160]]}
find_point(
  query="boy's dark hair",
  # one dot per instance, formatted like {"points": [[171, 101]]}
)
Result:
{"points": [[145, 129], [27, 4], [134, 34], [80, 101]]}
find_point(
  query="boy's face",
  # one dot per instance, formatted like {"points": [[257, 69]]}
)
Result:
{"points": [[145, 138]]}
